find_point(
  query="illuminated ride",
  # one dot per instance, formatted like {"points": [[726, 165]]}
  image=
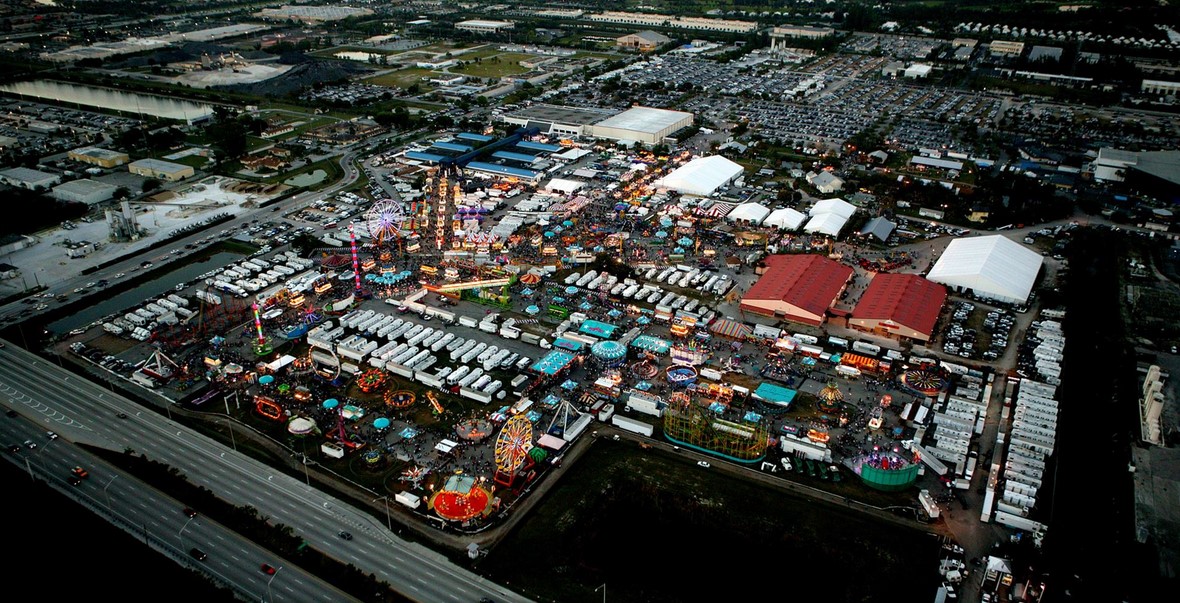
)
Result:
{"points": [[461, 498], [384, 220], [512, 448], [371, 380], [702, 428], [400, 398], [268, 408]]}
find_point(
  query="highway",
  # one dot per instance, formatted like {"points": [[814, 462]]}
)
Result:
{"points": [[152, 516], [83, 412]]}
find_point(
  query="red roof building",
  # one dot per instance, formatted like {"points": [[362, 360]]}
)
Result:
{"points": [[798, 288], [899, 305]]}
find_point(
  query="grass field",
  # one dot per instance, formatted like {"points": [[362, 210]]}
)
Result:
{"points": [[403, 78], [497, 66]]}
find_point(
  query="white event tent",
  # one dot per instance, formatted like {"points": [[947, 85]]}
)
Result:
{"points": [[785, 219], [994, 267], [701, 176]]}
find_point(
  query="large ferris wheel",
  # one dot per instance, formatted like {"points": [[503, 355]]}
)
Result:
{"points": [[385, 219], [512, 448]]}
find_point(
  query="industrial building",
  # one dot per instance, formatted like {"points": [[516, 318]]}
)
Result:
{"points": [[899, 306], [701, 176], [993, 267], [1006, 48], [84, 191], [28, 178], [312, 14], [163, 170], [642, 124], [557, 119], [643, 41], [797, 288], [659, 20], [780, 37], [482, 26], [100, 157]]}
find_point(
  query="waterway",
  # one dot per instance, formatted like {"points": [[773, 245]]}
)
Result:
{"points": [[126, 300], [115, 100]]}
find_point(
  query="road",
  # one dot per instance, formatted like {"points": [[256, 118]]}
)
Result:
{"points": [[83, 412]]}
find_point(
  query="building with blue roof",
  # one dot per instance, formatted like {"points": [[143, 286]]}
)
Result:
{"points": [[474, 137], [452, 146], [537, 146], [503, 170], [509, 155]]}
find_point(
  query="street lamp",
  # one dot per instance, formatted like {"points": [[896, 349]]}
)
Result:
{"points": [[388, 522], [104, 490], [603, 589], [181, 532], [231, 434], [272, 579]]}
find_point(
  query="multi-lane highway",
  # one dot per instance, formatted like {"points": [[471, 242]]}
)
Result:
{"points": [[80, 411], [160, 521]]}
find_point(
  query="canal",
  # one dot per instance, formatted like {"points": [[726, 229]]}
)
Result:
{"points": [[137, 293]]}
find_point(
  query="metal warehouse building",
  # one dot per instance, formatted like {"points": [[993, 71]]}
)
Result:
{"points": [[642, 124]]}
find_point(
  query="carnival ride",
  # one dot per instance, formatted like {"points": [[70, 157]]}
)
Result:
{"points": [[434, 403], [384, 221], [371, 380], [474, 430], [266, 407], [461, 498], [512, 449], [830, 397], [702, 428], [924, 380], [261, 346], [400, 398]]}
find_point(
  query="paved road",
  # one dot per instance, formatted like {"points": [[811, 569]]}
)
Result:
{"points": [[85, 413], [152, 516]]}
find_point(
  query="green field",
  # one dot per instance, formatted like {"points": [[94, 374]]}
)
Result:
{"points": [[493, 67], [402, 78]]}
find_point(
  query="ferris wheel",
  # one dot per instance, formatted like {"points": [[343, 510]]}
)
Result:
{"points": [[384, 220], [512, 447]]}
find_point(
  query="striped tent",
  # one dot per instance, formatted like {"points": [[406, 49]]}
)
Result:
{"points": [[732, 329]]}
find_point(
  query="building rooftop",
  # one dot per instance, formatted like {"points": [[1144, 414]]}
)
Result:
{"points": [[906, 299], [559, 114], [644, 119], [809, 282]]}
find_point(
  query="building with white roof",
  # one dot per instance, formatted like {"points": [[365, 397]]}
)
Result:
{"points": [[642, 124], [828, 216], [85, 191], [785, 219], [993, 267], [752, 213], [484, 26], [825, 182], [28, 178], [563, 185], [701, 176]]}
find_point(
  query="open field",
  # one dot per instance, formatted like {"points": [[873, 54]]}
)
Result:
{"points": [[403, 78]]}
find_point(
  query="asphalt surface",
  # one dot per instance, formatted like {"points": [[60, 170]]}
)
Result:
{"points": [[83, 412]]}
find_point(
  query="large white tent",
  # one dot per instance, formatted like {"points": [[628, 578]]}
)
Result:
{"points": [[785, 219], [839, 207], [753, 213], [701, 176], [828, 216], [994, 267], [825, 223]]}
